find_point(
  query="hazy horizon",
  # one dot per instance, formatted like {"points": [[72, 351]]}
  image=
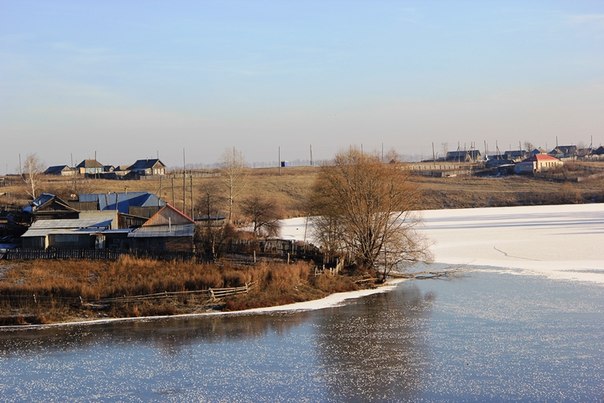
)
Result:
{"points": [[128, 80]]}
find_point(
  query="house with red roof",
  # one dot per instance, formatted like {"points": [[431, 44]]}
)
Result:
{"points": [[538, 163]]}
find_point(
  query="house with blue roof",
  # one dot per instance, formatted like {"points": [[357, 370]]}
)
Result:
{"points": [[140, 204]]}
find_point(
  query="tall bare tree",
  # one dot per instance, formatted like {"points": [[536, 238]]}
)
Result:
{"points": [[213, 232], [233, 172], [264, 214], [31, 172], [362, 208]]}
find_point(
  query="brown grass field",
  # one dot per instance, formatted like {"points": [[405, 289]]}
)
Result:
{"points": [[290, 187], [36, 292]]}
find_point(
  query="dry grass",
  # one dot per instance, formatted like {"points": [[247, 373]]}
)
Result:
{"points": [[290, 188], [60, 287]]}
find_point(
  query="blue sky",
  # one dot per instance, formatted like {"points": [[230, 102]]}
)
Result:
{"points": [[129, 79]]}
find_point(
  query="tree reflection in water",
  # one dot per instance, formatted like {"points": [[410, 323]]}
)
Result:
{"points": [[375, 349], [170, 335]]}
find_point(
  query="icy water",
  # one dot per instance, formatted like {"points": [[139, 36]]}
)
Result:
{"points": [[481, 337]]}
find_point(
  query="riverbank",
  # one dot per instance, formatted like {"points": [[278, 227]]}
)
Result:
{"points": [[330, 301], [44, 292]]}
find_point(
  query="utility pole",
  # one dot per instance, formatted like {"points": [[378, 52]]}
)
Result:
{"points": [[184, 182], [311, 155], [173, 201], [191, 181], [279, 159]]}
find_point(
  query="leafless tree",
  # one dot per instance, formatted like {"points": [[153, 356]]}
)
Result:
{"points": [[264, 214], [32, 170], [212, 232], [233, 173], [363, 210]]}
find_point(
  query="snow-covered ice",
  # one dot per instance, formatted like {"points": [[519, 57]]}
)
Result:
{"points": [[560, 242]]}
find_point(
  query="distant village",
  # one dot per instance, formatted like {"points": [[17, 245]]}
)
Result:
{"points": [[142, 221], [93, 168]]}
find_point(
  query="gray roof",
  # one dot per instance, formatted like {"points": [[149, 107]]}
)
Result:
{"points": [[57, 169], [122, 201], [89, 222], [90, 164], [145, 164]]}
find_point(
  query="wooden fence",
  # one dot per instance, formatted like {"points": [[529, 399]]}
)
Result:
{"points": [[92, 254], [209, 296]]}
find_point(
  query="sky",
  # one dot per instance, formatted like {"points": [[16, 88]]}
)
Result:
{"points": [[131, 79]]}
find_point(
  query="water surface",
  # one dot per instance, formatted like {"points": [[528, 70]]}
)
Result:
{"points": [[480, 337]]}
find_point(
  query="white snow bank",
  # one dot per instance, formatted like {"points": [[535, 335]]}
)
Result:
{"points": [[561, 242]]}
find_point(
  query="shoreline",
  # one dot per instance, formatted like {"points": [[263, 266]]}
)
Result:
{"points": [[330, 301]]}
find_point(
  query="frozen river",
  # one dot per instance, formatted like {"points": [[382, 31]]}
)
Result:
{"points": [[523, 321], [477, 337]]}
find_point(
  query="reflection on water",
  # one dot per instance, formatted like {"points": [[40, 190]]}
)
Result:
{"points": [[481, 337], [374, 348]]}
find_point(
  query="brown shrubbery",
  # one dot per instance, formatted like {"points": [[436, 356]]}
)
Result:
{"points": [[47, 291]]}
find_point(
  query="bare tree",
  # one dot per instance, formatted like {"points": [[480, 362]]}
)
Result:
{"points": [[362, 209], [233, 172], [264, 214], [213, 232], [32, 170]]}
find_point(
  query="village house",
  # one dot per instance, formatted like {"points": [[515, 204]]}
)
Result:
{"points": [[169, 230], [463, 156], [48, 206], [90, 167], [84, 232], [564, 152], [60, 170], [148, 167], [537, 164]]}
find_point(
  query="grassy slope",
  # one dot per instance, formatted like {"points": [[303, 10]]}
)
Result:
{"points": [[291, 186]]}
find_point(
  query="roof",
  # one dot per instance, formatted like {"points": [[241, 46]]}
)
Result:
{"points": [[89, 222], [167, 222], [122, 201], [45, 199], [57, 169], [543, 157], [145, 164], [168, 215], [89, 164]]}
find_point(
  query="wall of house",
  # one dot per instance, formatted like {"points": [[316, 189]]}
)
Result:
{"points": [[34, 242], [163, 244], [71, 241]]}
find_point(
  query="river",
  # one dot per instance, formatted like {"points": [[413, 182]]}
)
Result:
{"points": [[479, 336]]}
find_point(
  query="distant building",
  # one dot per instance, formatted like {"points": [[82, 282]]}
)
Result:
{"points": [[564, 152], [516, 155], [90, 167], [148, 167], [598, 153], [463, 156], [61, 170], [537, 164]]}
